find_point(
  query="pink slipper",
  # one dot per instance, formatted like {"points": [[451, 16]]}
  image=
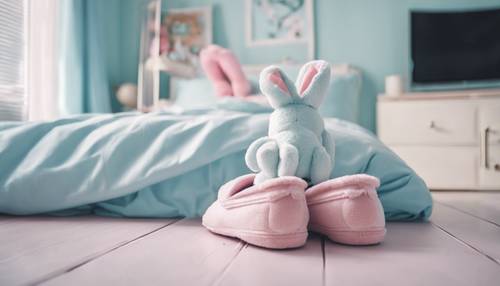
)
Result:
{"points": [[272, 214], [224, 71], [347, 210]]}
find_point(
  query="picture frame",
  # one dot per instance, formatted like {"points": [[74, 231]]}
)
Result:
{"points": [[280, 22], [188, 31], [170, 44]]}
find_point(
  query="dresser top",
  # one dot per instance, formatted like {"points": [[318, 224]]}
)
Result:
{"points": [[454, 94]]}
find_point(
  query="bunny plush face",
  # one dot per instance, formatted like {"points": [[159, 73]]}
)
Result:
{"points": [[297, 144]]}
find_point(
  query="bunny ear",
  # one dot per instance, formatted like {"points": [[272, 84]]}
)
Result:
{"points": [[313, 82], [276, 86]]}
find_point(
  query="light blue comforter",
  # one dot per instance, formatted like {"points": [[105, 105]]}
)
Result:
{"points": [[168, 165]]}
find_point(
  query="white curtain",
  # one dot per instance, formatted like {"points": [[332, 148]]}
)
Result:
{"points": [[12, 60], [42, 55]]}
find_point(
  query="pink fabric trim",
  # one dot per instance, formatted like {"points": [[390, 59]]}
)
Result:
{"points": [[311, 72], [243, 186], [281, 183], [275, 77], [235, 186], [336, 187]]}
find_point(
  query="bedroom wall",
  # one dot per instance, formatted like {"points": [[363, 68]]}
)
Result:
{"points": [[372, 35]]}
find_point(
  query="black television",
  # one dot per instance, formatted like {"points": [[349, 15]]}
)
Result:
{"points": [[455, 47]]}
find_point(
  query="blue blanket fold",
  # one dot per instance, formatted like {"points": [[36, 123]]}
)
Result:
{"points": [[168, 165]]}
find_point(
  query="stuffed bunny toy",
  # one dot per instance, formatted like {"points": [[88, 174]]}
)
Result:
{"points": [[297, 143]]}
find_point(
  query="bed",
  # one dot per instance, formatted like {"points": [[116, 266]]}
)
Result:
{"points": [[171, 163]]}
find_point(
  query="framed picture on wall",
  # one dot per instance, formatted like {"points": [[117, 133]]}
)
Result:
{"points": [[185, 32], [280, 22], [170, 43]]}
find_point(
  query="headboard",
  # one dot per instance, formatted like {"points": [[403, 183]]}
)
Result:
{"points": [[343, 99], [253, 72]]}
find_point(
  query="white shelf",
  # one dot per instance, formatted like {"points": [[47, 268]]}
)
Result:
{"points": [[430, 95]]}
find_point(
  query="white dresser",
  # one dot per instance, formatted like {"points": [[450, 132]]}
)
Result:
{"points": [[451, 139]]}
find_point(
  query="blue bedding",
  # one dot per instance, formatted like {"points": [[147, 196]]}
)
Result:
{"points": [[168, 164]]}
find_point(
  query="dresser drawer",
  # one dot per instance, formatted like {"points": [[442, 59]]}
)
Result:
{"points": [[451, 122], [489, 176], [443, 167], [489, 117], [489, 125]]}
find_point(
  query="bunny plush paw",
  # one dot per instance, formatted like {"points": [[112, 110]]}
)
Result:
{"points": [[267, 159], [289, 160], [321, 166]]}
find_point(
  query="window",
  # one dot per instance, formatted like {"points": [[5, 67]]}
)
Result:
{"points": [[12, 60]]}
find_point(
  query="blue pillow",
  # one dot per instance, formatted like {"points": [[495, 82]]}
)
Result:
{"points": [[196, 93], [343, 98]]}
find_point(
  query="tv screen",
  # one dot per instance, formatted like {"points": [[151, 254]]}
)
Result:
{"points": [[455, 46]]}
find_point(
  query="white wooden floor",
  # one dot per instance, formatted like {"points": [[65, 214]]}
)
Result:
{"points": [[460, 246]]}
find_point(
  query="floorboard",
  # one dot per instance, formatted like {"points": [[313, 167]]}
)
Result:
{"points": [[185, 253], [479, 234], [5, 219], [258, 266], [484, 205], [412, 254], [36, 248], [459, 246]]}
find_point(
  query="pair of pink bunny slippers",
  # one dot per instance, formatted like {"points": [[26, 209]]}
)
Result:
{"points": [[275, 208], [279, 212]]}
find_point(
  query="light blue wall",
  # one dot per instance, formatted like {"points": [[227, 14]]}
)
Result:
{"points": [[130, 22], [113, 44], [374, 35], [370, 34], [122, 20]]}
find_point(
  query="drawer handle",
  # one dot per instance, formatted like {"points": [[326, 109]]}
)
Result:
{"points": [[432, 124], [484, 147], [497, 167]]}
